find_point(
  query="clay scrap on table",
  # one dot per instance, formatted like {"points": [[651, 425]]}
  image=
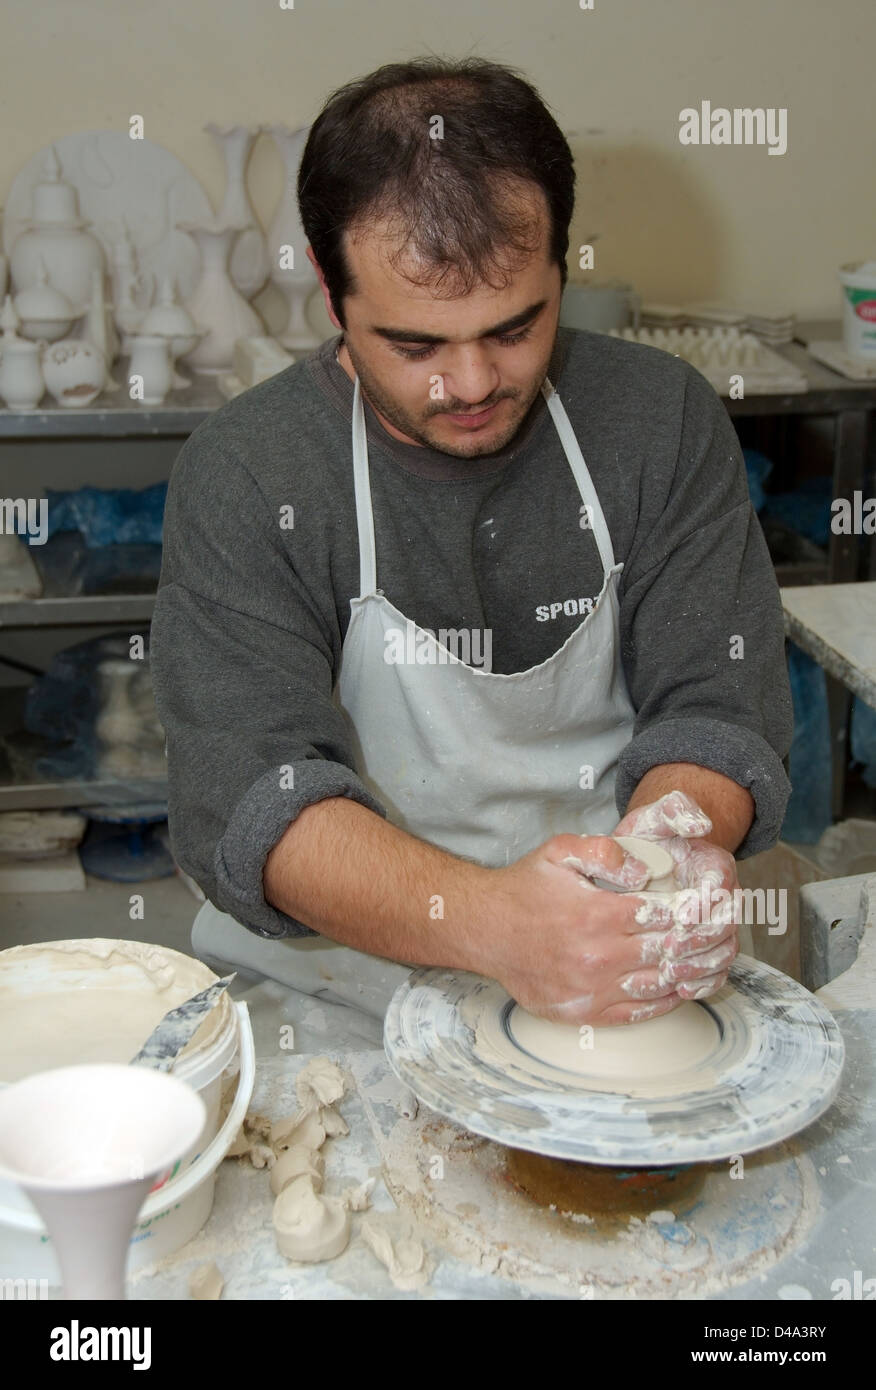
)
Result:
{"points": [[303, 1130], [297, 1162], [206, 1283], [254, 1133], [308, 1226], [403, 1255], [319, 1086], [319, 1083], [359, 1198]]}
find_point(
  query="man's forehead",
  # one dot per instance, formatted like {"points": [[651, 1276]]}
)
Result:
{"points": [[394, 277], [388, 245]]}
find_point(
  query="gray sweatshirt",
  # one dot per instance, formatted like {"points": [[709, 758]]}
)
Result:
{"points": [[251, 612]]}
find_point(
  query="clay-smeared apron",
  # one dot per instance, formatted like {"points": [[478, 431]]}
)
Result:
{"points": [[485, 765]]}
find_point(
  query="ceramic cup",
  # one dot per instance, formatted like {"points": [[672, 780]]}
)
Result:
{"points": [[75, 371]]}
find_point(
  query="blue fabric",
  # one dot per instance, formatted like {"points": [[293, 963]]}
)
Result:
{"points": [[809, 810], [863, 740], [758, 467], [63, 705], [109, 515], [806, 510]]}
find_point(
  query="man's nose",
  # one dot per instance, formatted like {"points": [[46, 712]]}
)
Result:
{"points": [[471, 381]]}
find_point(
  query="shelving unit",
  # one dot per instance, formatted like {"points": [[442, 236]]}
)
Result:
{"points": [[111, 416], [850, 404]]}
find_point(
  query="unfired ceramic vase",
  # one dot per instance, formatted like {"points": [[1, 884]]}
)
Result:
{"points": [[215, 303], [75, 372], [150, 360], [132, 287], [43, 310], [21, 378], [4, 268], [170, 319], [130, 740], [100, 330], [57, 235], [249, 265], [296, 285]]}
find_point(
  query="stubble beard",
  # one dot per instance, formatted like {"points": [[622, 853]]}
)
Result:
{"points": [[416, 428]]}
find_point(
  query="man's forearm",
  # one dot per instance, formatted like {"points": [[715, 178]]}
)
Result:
{"points": [[347, 873], [730, 808]]}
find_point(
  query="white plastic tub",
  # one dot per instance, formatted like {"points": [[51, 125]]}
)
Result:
{"points": [[858, 280], [46, 978]]}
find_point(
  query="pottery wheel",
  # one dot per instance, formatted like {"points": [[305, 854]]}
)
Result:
{"points": [[767, 1062]]}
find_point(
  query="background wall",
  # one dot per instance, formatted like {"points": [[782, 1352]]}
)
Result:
{"points": [[681, 222]]}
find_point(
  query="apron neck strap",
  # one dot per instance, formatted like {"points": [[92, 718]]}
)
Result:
{"points": [[582, 476], [362, 485]]}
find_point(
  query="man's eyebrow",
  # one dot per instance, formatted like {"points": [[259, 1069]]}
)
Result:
{"points": [[412, 335]]}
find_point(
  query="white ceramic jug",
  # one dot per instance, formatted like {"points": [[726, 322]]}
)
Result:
{"points": [[150, 360]]}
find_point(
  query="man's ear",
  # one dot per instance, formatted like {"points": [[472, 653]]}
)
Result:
{"points": [[325, 289]]}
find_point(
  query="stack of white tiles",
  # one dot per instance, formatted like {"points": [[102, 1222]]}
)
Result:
{"points": [[722, 353]]}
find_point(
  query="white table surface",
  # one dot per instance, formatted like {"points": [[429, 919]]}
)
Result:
{"points": [[836, 625]]}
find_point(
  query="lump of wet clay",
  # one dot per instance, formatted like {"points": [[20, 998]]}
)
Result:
{"points": [[308, 1129], [656, 858], [299, 1131], [359, 1198], [319, 1083], [206, 1283], [255, 1130], [308, 1226], [262, 1156], [296, 1163], [333, 1123], [404, 1257]]}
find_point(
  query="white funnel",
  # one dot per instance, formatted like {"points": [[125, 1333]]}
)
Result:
{"points": [[87, 1144]]}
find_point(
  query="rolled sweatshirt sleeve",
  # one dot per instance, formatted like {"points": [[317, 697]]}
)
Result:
{"points": [[242, 669], [702, 636]]}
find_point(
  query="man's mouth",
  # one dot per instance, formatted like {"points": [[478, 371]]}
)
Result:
{"points": [[480, 417]]}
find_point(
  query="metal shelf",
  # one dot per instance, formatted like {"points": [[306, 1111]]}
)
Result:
{"points": [[78, 611], [809, 572], [828, 394], [114, 415], [45, 796]]}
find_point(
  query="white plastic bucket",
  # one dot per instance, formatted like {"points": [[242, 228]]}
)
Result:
{"points": [[858, 280], [42, 977]]}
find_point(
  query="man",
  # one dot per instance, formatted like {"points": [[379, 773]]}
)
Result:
{"points": [[441, 600]]}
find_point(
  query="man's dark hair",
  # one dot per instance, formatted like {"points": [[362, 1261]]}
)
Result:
{"points": [[455, 201]]}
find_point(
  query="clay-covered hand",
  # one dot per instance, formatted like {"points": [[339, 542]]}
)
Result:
{"points": [[564, 948], [697, 953], [675, 816]]}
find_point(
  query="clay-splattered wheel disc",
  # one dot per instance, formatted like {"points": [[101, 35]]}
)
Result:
{"points": [[774, 1067]]}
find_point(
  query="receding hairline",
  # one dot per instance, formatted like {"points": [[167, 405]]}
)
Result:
{"points": [[387, 224]]}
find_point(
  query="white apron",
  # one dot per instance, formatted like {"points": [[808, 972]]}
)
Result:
{"points": [[486, 766]]}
